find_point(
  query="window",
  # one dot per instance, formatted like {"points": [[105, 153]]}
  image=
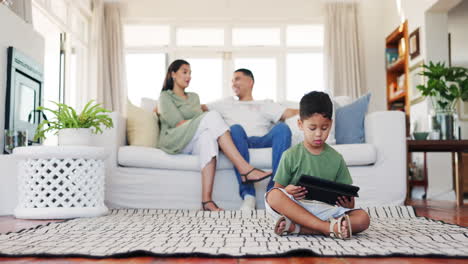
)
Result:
{"points": [[304, 73], [256, 37], [304, 35], [65, 58], [286, 59], [207, 78], [200, 37], [145, 75], [146, 35], [264, 72], [77, 75]]}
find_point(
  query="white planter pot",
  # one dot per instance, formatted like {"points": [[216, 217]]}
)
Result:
{"points": [[74, 137]]}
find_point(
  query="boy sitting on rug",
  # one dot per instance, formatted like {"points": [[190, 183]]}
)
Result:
{"points": [[313, 157]]}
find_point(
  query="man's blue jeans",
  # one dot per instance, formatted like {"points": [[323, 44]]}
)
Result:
{"points": [[279, 139]]}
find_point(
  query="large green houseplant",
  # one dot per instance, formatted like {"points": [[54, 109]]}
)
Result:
{"points": [[445, 86], [73, 128]]}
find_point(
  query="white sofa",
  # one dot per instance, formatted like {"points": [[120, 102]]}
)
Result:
{"points": [[141, 177]]}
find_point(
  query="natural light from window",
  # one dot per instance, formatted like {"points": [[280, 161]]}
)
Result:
{"points": [[145, 75], [285, 58], [264, 72], [304, 73], [304, 35], [256, 37], [146, 35], [207, 78], [200, 37]]}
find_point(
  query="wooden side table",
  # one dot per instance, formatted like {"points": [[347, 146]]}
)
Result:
{"points": [[60, 182], [456, 147]]}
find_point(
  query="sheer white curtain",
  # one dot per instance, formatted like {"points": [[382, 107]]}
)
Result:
{"points": [[107, 61], [343, 73]]}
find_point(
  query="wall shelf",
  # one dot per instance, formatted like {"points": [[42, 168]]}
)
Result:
{"points": [[397, 72]]}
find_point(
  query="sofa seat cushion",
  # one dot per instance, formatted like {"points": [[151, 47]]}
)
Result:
{"points": [[145, 157], [357, 154]]}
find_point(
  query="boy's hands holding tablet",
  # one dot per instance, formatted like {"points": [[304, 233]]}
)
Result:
{"points": [[298, 192], [345, 201]]}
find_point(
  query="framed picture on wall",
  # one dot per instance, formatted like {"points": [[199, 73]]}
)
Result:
{"points": [[414, 44], [23, 93], [416, 79]]}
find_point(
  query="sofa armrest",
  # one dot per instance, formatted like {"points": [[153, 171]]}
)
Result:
{"points": [[112, 138], [386, 129]]}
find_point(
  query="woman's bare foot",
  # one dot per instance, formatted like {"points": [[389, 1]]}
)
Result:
{"points": [[211, 206]]}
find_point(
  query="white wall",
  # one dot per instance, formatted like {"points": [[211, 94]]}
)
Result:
{"points": [[457, 26], [432, 19], [206, 10], [17, 33], [373, 47]]}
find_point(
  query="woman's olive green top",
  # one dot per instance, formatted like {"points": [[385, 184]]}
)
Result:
{"points": [[173, 109]]}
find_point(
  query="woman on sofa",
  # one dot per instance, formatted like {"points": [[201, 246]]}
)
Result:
{"points": [[185, 128]]}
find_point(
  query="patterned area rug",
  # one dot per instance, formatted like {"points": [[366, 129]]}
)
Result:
{"points": [[394, 231]]}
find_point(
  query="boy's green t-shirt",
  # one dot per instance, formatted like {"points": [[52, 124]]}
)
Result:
{"points": [[297, 160]]}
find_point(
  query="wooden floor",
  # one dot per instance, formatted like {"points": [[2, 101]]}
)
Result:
{"points": [[445, 211]]}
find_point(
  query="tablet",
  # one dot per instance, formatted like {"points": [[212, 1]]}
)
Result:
{"points": [[327, 191]]}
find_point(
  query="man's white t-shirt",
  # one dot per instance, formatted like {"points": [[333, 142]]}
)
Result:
{"points": [[256, 117]]}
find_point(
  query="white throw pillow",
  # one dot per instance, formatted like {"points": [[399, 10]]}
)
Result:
{"points": [[148, 104], [142, 127]]}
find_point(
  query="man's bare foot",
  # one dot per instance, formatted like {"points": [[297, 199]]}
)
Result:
{"points": [[210, 206]]}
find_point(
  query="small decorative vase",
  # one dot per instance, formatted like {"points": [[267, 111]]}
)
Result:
{"points": [[74, 137], [444, 119]]}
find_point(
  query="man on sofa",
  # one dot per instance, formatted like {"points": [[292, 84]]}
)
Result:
{"points": [[254, 124]]}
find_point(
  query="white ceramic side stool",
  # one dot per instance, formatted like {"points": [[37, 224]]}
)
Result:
{"points": [[60, 182]]}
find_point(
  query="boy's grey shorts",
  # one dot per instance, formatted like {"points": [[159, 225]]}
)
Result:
{"points": [[321, 210]]}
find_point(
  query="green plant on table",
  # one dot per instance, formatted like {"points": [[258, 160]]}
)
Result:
{"points": [[445, 85], [92, 116]]}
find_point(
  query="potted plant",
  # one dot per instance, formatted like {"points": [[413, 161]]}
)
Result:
{"points": [[445, 86], [73, 128]]}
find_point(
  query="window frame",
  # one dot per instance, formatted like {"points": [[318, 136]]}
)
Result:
{"points": [[229, 51]]}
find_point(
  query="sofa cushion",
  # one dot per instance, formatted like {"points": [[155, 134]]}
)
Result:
{"points": [[357, 154], [144, 157], [142, 127], [350, 121]]}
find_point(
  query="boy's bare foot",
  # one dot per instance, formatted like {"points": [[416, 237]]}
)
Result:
{"points": [[210, 206], [284, 226], [280, 228], [345, 228]]}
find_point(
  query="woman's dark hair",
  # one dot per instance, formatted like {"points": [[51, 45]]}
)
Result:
{"points": [[174, 67], [316, 103]]}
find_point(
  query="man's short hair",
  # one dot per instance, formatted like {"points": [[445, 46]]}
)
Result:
{"points": [[246, 72], [315, 103]]}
